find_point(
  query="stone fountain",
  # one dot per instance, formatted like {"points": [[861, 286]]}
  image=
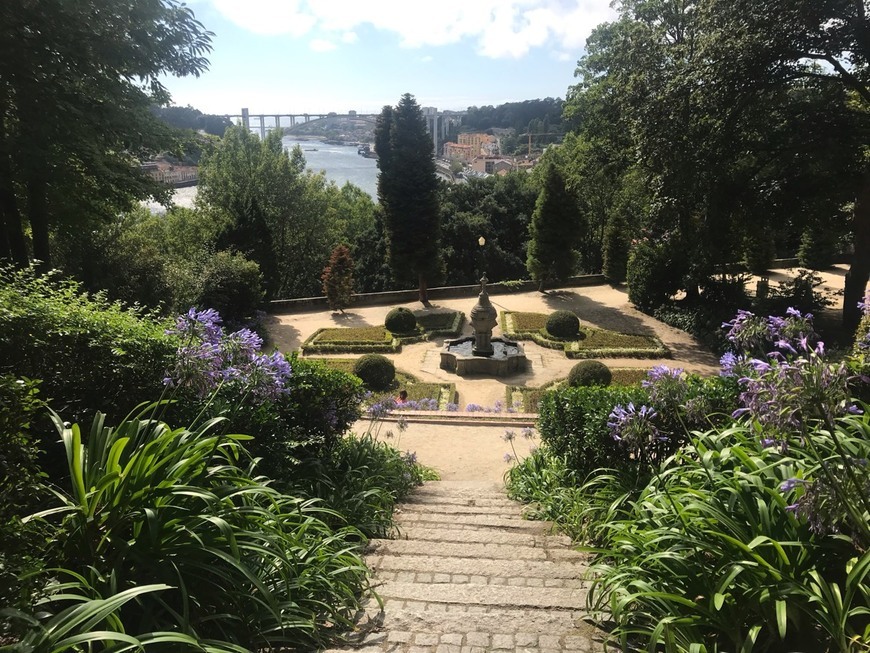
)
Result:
{"points": [[481, 353]]}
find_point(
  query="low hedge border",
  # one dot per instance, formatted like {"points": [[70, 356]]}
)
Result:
{"points": [[312, 346], [573, 348], [392, 342], [455, 329]]}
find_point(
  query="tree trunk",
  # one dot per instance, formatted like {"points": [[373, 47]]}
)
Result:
{"points": [[13, 244], [37, 205], [859, 271], [12, 239], [423, 289]]}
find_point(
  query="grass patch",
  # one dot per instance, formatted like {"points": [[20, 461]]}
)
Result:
{"points": [[377, 339], [438, 321], [590, 343], [355, 334], [351, 340], [529, 399]]}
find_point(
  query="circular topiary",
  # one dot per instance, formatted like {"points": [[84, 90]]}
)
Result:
{"points": [[563, 324], [377, 372], [400, 320], [587, 373]]}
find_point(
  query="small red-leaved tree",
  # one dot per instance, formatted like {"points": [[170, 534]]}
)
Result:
{"points": [[337, 279]]}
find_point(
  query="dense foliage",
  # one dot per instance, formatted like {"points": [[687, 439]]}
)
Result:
{"points": [[151, 504], [555, 230], [713, 126], [499, 208], [169, 535], [21, 544], [729, 513], [518, 116], [337, 279], [76, 166], [408, 193], [91, 354]]}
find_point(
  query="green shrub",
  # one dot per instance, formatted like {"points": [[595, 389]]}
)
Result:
{"points": [[20, 544], [616, 248], [588, 373], [400, 320], [573, 424], [361, 480], [240, 562], [563, 324], [305, 422], [718, 522], [376, 371], [89, 353], [652, 276], [337, 279], [818, 247], [232, 285]]}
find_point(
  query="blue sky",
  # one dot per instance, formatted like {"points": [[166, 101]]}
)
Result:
{"points": [[282, 56]]}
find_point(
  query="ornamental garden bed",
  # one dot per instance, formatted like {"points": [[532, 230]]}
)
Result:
{"points": [[377, 339], [427, 396], [590, 343], [528, 399]]}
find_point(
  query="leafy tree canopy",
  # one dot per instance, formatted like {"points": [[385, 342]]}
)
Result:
{"points": [[77, 80]]}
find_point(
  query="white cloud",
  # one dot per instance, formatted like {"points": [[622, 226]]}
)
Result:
{"points": [[427, 59], [322, 45], [499, 28]]}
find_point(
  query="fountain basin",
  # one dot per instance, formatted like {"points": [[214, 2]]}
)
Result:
{"points": [[507, 357]]}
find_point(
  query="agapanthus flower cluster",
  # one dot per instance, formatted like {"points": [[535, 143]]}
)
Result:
{"points": [[497, 407], [633, 425], [667, 387], [755, 335], [862, 338], [784, 394], [418, 404], [208, 359]]}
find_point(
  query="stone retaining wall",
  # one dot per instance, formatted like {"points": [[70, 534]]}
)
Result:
{"points": [[279, 306]]}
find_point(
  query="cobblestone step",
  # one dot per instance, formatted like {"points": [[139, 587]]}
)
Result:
{"points": [[469, 594], [481, 536], [434, 628], [475, 550], [513, 523], [468, 575], [427, 569]]}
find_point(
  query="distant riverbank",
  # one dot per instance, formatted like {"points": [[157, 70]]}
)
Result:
{"points": [[340, 163]]}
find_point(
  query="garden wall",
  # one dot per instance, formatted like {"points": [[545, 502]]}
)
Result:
{"points": [[445, 292]]}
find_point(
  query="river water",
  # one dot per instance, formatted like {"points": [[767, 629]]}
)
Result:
{"points": [[340, 163]]}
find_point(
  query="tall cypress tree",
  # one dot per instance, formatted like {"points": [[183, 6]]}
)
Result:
{"points": [[408, 193], [554, 231]]}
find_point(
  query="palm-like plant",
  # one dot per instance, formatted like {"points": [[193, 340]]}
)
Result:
{"points": [[227, 557]]}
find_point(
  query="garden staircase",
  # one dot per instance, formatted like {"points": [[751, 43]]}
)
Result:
{"points": [[468, 574]]}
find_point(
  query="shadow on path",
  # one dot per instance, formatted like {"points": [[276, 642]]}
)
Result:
{"points": [[597, 313]]}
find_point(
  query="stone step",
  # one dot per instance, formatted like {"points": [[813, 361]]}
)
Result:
{"points": [[480, 536], [437, 628], [421, 569], [472, 550], [468, 594], [442, 520], [453, 509], [437, 500]]}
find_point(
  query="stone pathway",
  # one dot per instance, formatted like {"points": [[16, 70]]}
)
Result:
{"points": [[468, 574]]}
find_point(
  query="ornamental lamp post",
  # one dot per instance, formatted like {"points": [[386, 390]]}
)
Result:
{"points": [[482, 241]]}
